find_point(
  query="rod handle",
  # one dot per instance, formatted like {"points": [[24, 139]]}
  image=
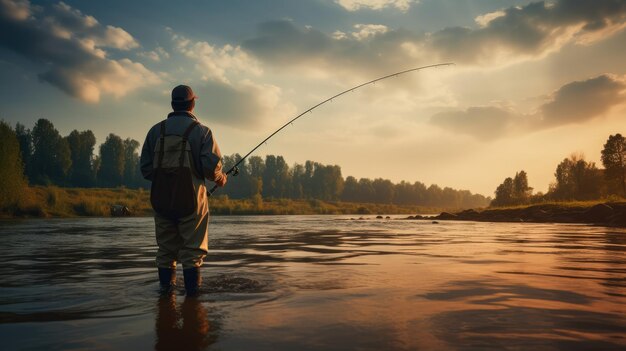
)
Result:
{"points": [[234, 170]]}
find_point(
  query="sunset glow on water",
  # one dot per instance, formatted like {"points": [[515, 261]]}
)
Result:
{"points": [[318, 282]]}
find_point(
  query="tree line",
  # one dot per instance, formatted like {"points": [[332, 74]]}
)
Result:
{"points": [[47, 158], [52, 159], [273, 178], [575, 179]]}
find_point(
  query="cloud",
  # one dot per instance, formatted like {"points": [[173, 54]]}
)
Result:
{"points": [[354, 5], [575, 102], [224, 96], [245, 105], [215, 61], [499, 38], [578, 102], [71, 23], [156, 54], [368, 30], [482, 122], [71, 46], [369, 49], [531, 31]]}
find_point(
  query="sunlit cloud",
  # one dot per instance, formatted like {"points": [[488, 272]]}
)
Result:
{"points": [[483, 20], [529, 32], [213, 61], [364, 31], [370, 49], [574, 103], [354, 5], [226, 92], [71, 48], [580, 101], [246, 105], [155, 55], [500, 38], [74, 24]]}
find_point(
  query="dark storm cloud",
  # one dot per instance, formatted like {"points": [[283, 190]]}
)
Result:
{"points": [[69, 48], [575, 102]]}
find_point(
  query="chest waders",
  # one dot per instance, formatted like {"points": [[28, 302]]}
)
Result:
{"points": [[173, 193], [178, 196]]}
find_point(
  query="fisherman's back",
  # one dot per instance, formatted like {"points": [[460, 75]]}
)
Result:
{"points": [[178, 155]]}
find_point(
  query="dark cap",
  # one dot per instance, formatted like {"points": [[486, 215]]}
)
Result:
{"points": [[182, 93]]}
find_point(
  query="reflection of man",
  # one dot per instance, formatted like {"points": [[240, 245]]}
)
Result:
{"points": [[187, 330], [178, 155]]}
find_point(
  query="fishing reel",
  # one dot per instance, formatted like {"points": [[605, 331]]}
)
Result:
{"points": [[235, 171]]}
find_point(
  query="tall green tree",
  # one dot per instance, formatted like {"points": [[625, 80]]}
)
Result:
{"points": [[132, 173], [297, 181], [521, 191], [384, 190], [270, 188], [350, 189], [81, 146], [505, 193], [25, 139], [51, 158], [614, 161], [112, 162], [434, 195], [576, 179], [256, 167], [513, 191], [11, 167], [366, 191]]}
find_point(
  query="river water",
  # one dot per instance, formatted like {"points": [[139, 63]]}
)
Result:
{"points": [[316, 283]]}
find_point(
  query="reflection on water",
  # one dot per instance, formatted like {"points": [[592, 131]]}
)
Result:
{"points": [[316, 282], [184, 328]]}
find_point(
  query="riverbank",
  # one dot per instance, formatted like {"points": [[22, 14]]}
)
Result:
{"points": [[56, 202], [595, 212]]}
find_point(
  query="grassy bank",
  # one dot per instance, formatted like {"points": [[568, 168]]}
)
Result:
{"points": [[52, 201], [604, 212]]}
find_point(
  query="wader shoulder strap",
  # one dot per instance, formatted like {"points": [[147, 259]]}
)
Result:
{"points": [[162, 148], [181, 159]]}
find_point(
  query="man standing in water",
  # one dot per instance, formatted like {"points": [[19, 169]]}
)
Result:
{"points": [[177, 156]]}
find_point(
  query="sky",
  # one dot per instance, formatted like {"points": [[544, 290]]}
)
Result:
{"points": [[533, 82]]}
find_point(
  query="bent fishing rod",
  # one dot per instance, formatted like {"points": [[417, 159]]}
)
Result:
{"points": [[234, 170]]}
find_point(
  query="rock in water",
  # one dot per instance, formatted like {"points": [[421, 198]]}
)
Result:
{"points": [[446, 215], [120, 211]]}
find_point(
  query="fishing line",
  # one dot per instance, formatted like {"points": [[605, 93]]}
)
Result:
{"points": [[234, 170]]}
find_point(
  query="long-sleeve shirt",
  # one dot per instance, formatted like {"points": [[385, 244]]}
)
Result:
{"points": [[204, 149]]}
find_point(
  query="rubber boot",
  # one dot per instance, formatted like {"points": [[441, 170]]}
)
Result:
{"points": [[192, 281], [167, 280]]}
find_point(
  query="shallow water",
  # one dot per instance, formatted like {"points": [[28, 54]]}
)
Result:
{"points": [[316, 283]]}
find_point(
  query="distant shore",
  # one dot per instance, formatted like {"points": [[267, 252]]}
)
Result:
{"points": [[601, 213], [58, 202]]}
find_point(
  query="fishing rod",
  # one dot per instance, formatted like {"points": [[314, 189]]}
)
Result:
{"points": [[234, 168]]}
